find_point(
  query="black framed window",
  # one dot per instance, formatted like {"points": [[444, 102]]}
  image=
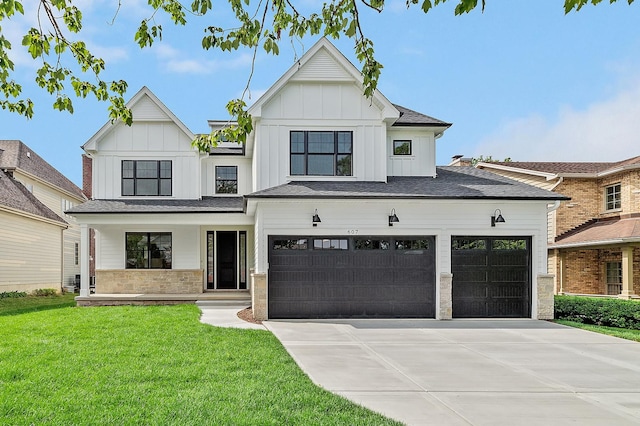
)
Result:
{"points": [[321, 153], [146, 177], [402, 147], [613, 197], [148, 250], [226, 179]]}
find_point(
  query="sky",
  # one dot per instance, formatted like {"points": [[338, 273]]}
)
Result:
{"points": [[519, 80]]}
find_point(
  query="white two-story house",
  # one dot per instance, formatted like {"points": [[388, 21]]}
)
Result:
{"points": [[333, 208]]}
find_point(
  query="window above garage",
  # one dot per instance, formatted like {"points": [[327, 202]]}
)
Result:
{"points": [[321, 153]]}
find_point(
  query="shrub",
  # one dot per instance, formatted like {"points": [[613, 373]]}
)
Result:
{"points": [[45, 292], [599, 311], [12, 294]]}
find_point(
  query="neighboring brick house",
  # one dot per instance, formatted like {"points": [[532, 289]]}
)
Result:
{"points": [[594, 239], [39, 243]]}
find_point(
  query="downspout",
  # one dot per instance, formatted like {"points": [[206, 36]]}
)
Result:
{"points": [[559, 256]]}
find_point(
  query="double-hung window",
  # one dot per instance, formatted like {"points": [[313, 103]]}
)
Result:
{"points": [[226, 180], [321, 153], [614, 277], [148, 250], [613, 199], [146, 177]]}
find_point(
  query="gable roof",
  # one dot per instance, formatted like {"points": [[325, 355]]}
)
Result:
{"points": [[14, 196], [566, 169], [450, 183], [351, 73], [141, 96], [15, 155]]}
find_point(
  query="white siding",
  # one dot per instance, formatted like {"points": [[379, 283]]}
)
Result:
{"points": [[209, 177], [30, 254], [322, 66], [441, 218], [421, 162], [185, 241]]}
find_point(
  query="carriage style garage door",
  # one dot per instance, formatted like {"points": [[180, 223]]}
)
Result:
{"points": [[491, 277], [333, 277]]}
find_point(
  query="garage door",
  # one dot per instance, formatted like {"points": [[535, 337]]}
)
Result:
{"points": [[491, 277], [334, 277]]}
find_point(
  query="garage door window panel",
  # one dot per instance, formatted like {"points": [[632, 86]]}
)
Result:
{"points": [[330, 244]]}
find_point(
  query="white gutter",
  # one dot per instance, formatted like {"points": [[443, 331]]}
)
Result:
{"points": [[553, 207], [597, 243]]}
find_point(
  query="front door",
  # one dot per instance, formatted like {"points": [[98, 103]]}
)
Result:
{"points": [[226, 260]]}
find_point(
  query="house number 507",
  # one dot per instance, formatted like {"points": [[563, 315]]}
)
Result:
{"points": [[352, 231]]}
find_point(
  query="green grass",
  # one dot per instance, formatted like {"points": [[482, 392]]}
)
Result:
{"points": [[21, 305], [623, 333], [154, 365]]}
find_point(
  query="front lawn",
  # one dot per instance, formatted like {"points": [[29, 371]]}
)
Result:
{"points": [[21, 305], [154, 365], [623, 333]]}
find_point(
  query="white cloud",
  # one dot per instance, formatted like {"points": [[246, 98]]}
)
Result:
{"points": [[607, 130]]}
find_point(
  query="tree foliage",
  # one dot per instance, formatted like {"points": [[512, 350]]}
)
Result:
{"points": [[488, 159], [67, 67]]}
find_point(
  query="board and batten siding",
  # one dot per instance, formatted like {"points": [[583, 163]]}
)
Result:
{"points": [[146, 141], [30, 253], [319, 107], [421, 162], [185, 243]]}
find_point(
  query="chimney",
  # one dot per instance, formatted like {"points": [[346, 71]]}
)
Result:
{"points": [[87, 170], [460, 161]]}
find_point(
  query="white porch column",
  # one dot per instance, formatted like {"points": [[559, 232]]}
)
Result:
{"points": [[627, 273], [84, 260]]}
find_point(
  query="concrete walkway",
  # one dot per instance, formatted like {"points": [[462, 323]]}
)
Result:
{"points": [[225, 314], [471, 372]]}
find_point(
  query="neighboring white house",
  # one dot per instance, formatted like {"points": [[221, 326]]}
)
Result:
{"points": [[334, 208], [39, 244]]}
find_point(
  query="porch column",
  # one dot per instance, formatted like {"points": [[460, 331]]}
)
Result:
{"points": [[544, 301], [84, 260], [627, 273]]}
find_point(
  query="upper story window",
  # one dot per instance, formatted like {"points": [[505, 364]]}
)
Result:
{"points": [[321, 153], [146, 177], [613, 199], [226, 179], [402, 147]]}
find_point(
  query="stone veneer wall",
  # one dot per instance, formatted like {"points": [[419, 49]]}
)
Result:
{"points": [[259, 296], [149, 281], [545, 305]]}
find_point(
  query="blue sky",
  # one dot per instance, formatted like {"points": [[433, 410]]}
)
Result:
{"points": [[521, 80]]}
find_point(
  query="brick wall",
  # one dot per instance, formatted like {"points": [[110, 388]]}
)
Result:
{"points": [[149, 281], [584, 204], [582, 272], [87, 168]]}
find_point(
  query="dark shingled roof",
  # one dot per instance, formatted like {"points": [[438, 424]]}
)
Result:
{"points": [[412, 118], [450, 183], [206, 205], [13, 155], [15, 196], [559, 167]]}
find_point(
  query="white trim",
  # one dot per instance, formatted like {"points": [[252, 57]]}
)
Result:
{"points": [[548, 176]]}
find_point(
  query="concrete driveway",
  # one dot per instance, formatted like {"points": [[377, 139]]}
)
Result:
{"points": [[479, 372]]}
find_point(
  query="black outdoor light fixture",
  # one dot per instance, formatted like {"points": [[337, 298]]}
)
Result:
{"points": [[497, 217], [393, 218], [316, 219]]}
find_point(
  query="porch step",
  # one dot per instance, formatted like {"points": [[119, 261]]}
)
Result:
{"points": [[217, 298]]}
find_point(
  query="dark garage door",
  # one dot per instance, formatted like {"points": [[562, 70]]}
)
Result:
{"points": [[334, 277], [491, 277]]}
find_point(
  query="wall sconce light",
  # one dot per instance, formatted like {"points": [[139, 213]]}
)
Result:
{"points": [[393, 218], [497, 217], [316, 219]]}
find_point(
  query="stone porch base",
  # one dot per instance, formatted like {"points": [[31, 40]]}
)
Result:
{"points": [[218, 297]]}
